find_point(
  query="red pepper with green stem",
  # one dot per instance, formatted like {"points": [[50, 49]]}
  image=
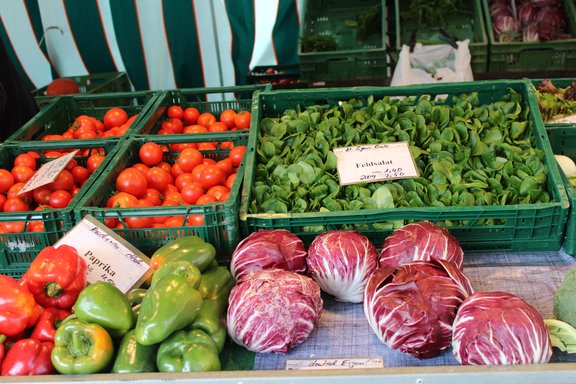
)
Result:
{"points": [[18, 310], [47, 323], [28, 357], [56, 277]]}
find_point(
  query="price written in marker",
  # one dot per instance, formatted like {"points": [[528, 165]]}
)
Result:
{"points": [[48, 172], [376, 162]]}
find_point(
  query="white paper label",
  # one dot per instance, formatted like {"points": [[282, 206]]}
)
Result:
{"points": [[108, 256], [352, 363], [48, 172], [376, 162]]}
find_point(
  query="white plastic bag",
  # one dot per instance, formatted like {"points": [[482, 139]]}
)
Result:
{"points": [[433, 63]]}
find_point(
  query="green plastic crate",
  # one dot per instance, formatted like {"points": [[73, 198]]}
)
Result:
{"points": [[61, 113], [220, 219], [354, 59], [537, 56], [17, 250], [108, 82], [521, 227], [460, 25], [214, 100], [563, 142]]}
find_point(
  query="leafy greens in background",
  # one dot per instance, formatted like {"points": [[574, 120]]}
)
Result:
{"points": [[467, 154]]}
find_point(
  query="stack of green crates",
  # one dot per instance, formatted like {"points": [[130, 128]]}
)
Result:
{"points": [[517, 227], [354, 58], [468, 24], [554, 55], [107, 82]]}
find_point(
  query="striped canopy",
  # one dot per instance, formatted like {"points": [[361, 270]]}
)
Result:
{"points": [[160, 44]]}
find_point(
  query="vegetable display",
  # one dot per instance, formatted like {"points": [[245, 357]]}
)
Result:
{"points": [[467, 154], [556, 104], [420, 241], [411, 308], [341, 263], [499, 328], [272, 310], [268, 249]]}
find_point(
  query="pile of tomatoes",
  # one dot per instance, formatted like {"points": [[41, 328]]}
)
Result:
{"points": [[116, 122], [56, 194], [190, 120], [192, 179]]}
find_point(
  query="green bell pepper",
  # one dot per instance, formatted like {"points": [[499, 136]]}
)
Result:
{"points": [[170, 304], [184, 268], [212, 320], [190, 248], [216, 283], [104, 304], [135, 298], [81, 347], [190, 351], [133, 357]]}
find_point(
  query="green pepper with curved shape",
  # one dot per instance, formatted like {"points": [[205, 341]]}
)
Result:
{"points": [[216, 283], [170, 304], [183, 268], [133, 357], [190, 248], [190, 351]]}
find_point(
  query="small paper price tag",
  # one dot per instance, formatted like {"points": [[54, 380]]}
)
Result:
{"points": [[351, 363], [376, 162], [108, 256], [48, 172]]}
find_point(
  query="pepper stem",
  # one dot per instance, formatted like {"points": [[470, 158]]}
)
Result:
{"points": [[79, 345], [52, 289]]}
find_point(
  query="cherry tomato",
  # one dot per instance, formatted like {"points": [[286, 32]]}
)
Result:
{"points": [[59, 199], [150, 153], [190, 115], [206, 119], [227, 117], [175, 112], [242, 120], [115, 117], [132, 181]]}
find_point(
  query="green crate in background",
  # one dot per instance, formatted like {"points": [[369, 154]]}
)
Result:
{"points": [[354, 59], [533, 56], [468, 24], [220, 219], [57, 117], [108, 82], [563, 142], [17, 250], [214, 100], [521, 227]]}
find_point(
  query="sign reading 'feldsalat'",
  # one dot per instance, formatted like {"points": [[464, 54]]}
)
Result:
{"points": [[108, 256], [375, 162]]}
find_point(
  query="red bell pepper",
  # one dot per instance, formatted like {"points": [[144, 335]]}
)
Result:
{"points": [[18, 310], [47, 323], [56, 277], [28, 357]]}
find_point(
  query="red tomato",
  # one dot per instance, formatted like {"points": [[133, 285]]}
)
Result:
{"points": [[236, 154], [2, 201], [84, 122], [115, 117], [226, 165], [196, 128], [230, 181], [25, 159], [93, 162], [171, 188], [226, 145], [142, 168], [42, 194], [190, 115], [22, 173], [176, 171], [6, 180], [122, 200], [59, 199], [168, 126], [206, 119], [242, 120], [71, 164], [189, 158], [208, 160], [165, 166], [227, 117], [197, 171], [12, 227], [207, 146], [15, 204], [195, 220], [172, 198], [178, 125], [111, 222], [175, 112], [158, 179], [64, 180], [153, 196], [217, 127], [150, 153], [14, 191], [206, 199], [139, 222], [132, 181], [80, 173], [212, 175], [184, 180], [179, 147], [191, 192], [220, 192]]}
